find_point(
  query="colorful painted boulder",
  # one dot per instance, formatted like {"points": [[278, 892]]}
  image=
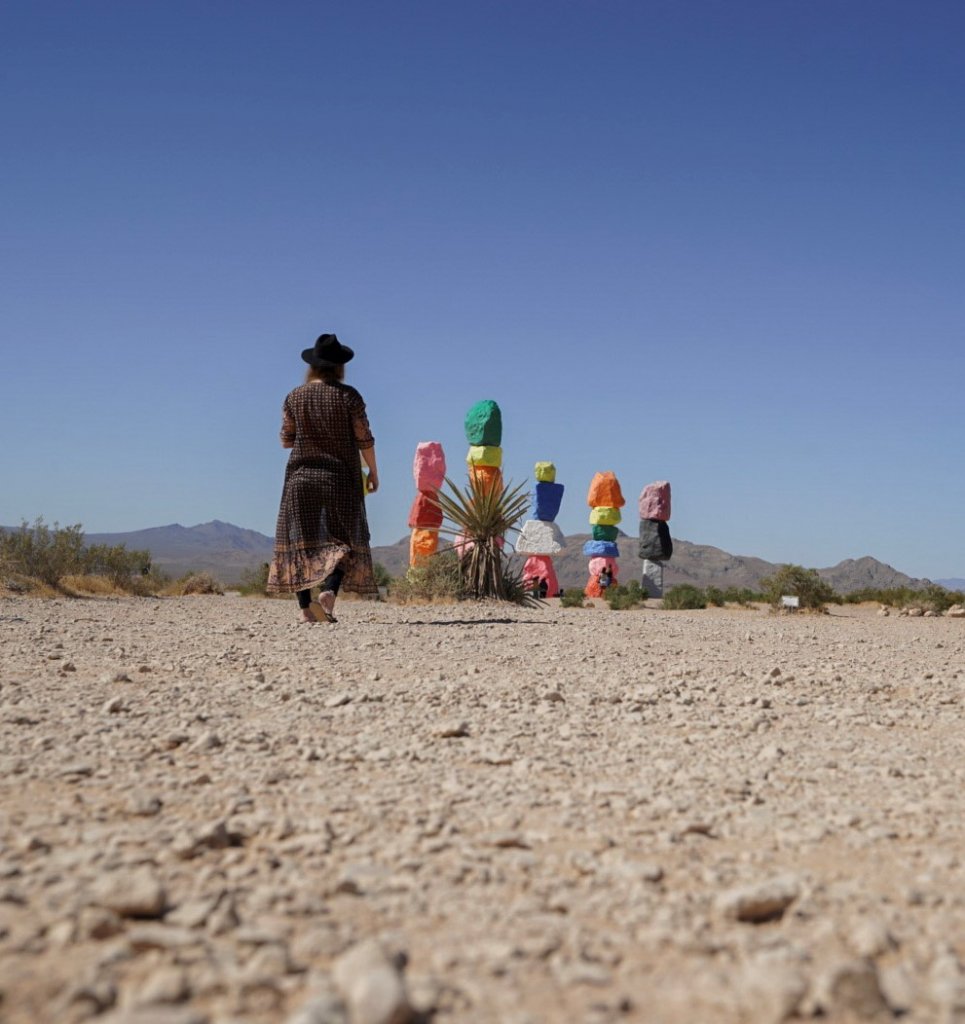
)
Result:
{"points": [[597, 565], [605, 491], [605, 532], [601, 548], [540, 538], [429, 466], [422, 545], [484, 424], [547, 498], [425, 513], [655, 542], [605, 516], [487, 478], [484, 455], [540, 567], [655, 501], [545, 472]]}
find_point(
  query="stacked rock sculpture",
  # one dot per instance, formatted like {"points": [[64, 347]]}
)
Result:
{"points": [[425, 516], [540, 537], [656, 547], [605, 500], [484, 432]]}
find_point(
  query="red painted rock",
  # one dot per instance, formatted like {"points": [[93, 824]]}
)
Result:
{"points": [[425, 514], [655, 501], [429, 466], [605, 491]]}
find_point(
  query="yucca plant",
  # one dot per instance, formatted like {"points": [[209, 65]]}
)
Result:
{"points": [[481, 516]]}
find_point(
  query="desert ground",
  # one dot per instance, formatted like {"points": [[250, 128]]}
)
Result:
{"points": [[475, 813]]}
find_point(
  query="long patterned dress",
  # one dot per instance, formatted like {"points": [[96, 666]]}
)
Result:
{"points": [[321, 522]]}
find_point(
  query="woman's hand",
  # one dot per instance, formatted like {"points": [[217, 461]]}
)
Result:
{"points": [[372, 482]]}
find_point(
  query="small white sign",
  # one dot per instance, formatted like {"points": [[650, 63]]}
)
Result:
{"points": [[789, 601]]}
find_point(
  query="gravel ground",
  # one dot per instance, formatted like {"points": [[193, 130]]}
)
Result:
{"points": [[208, 810]]}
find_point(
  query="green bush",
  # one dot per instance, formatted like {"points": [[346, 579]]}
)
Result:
{"points": [[438, 578], [741, 595], [620, 598], [715, 596], [383, 578], [254, 582], [197, 583], [812, 592], [684, 597], [572, 597]]}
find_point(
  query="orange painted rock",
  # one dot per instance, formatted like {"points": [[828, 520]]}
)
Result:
{"points": [[592, 588], [487, 478], [429, 466], [605, 490], [425, 514], [422, 545], [605, 515]]}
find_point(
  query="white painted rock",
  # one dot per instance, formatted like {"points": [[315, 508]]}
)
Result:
{"points": [[540, 538]]}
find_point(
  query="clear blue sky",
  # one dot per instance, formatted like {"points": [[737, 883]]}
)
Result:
{"points": [[717, 243]]}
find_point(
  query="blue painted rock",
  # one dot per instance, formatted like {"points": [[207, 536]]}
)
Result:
{"points": [[540, 538], [484, 423], [546, 501], [601, 548]]}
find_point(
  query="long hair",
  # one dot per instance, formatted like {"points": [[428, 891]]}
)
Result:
{"points": [[328, 374]]}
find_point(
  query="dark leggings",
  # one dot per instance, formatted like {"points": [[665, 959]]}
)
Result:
{"points": [[331, 582]]}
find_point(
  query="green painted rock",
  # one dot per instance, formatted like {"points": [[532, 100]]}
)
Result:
{"points": [[484, 424], [605, 533]]}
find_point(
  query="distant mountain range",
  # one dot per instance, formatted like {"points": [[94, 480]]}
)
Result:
{"points": [[953, 584], [227, 551]]}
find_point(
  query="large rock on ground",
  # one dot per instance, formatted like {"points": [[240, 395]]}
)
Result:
{"points": [[540, 567], [540, 538], [371, 983], [605, 490], [655, 501], [652, 578], [429, 466], [484, 423]]}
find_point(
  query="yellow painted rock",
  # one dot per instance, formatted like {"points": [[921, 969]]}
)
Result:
{"points": [[545, 472], [485, 455], [605, 515]]}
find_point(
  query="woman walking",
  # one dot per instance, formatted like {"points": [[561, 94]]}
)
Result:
{"points": [[322, 535]]}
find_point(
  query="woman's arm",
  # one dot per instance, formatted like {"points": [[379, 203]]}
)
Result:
{"points": [[372, 484]]}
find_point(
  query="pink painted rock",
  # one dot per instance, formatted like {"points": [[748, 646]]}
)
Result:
{"points": [[598, 564], [605, 491], [540, 567], [429, 466], [655, 501]]}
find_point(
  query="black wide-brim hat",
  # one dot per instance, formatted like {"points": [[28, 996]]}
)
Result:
{"points": [[327, 351]]}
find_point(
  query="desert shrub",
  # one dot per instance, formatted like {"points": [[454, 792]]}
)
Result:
{"points": [[196, 583], [116, 563], [572, 597], [620, 598], [893, 597], [938, 598], [438, 578], [812, 591], [741, 595], [684, 597], [43, 553], [254, 582], [383, 578], [715, 596]]}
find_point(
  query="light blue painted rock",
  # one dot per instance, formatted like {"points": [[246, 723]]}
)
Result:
{"points": [[601, 549]]}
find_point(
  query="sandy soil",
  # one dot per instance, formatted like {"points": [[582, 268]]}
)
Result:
{"points": [[558, 815]]}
